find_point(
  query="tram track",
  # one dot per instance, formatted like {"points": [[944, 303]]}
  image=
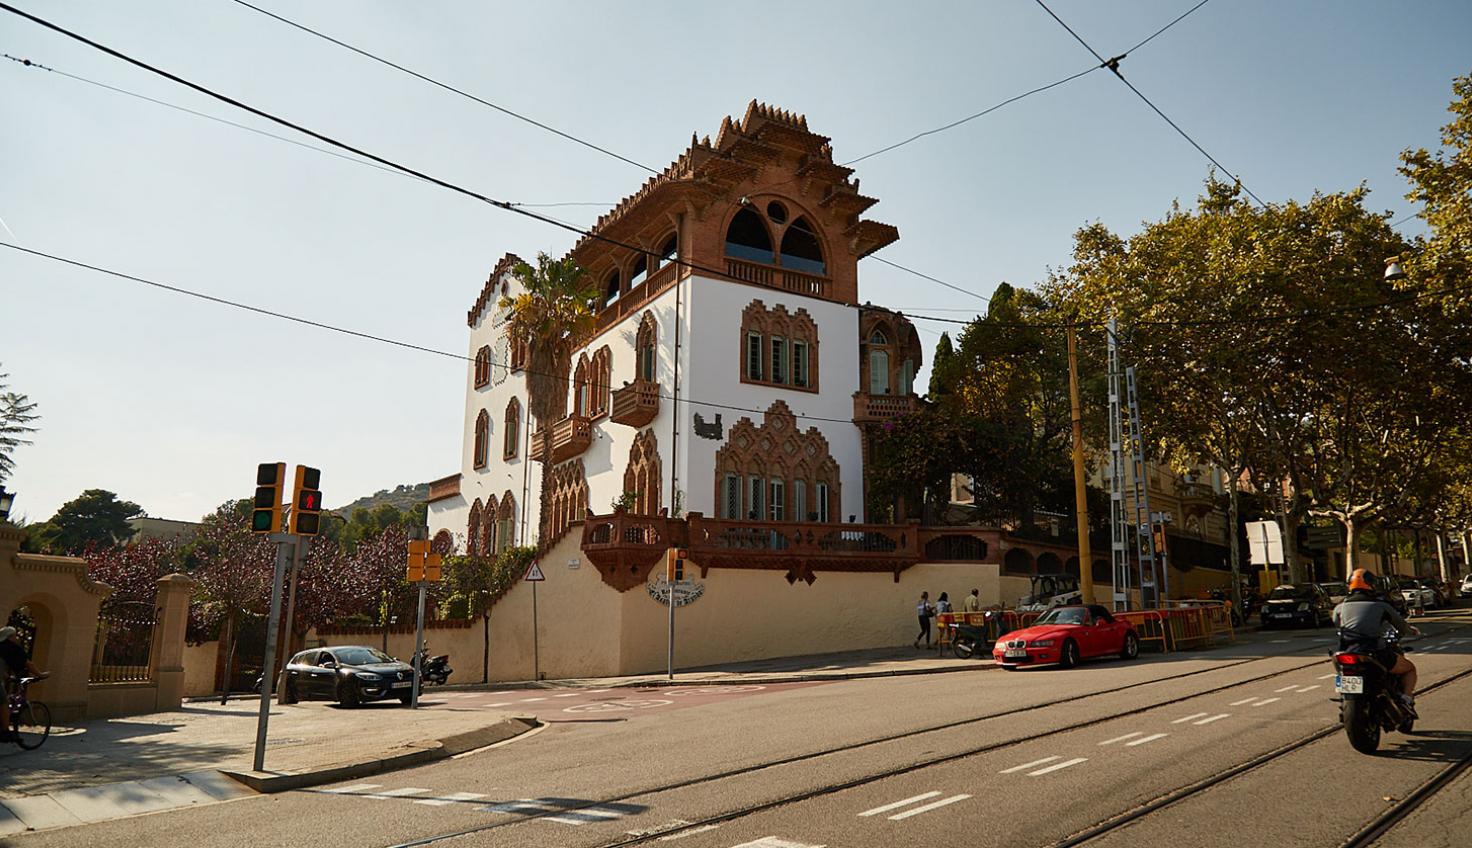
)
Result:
{"points": [[1364, 837], [890, 738]]}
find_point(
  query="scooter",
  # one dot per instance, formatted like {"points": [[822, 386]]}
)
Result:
{"points": [[1369, 699], [435, 669], [967, 640]]}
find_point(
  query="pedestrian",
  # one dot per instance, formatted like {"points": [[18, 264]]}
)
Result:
{"points": [[924, 610], [973, 601], [943, 603], [13, 660]]}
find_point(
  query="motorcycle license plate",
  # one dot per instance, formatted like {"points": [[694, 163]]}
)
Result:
{"points": [[1015, 653], [1351, 685], [403, 684]]}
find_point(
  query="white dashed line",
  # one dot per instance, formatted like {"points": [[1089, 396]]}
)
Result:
{"points": [[1026, 766], [1302, 689], [1265, 701], [1063, 765], [773, 842], [598, 691], [1243, 701], [585, 816], [897, 804], [529, 700], [705, 828], [1189, 717], [356, 787], [1287, 688], [1327, 676], [452, 798], [928, 807], [568, 695], [1217, 717], [1124, 737], [1141, 741], [501, 704], [1281, 641]]}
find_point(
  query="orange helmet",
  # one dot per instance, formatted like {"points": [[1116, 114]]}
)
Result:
{"points": [[1361, 580]]}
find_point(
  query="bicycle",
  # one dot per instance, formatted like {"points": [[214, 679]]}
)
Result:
{"points": [[29, 720]]}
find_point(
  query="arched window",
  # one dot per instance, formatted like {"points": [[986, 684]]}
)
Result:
{"points": [[774, 472], [801, 250], [482, 366], [482, 436], [747, 238], [670, 250], [600, 375], [488, 528], [644, 344], [519, 353], [568, 487], [472, 529], [779, 348], [581, 391], [640, 272], [513, 429], [777, 213], [505, 522], [642, 475], [878, 363], [611, 287]]}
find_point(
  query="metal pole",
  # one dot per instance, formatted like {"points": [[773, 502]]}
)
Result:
{"points": [[297, 563], [268, 672], [670, 587], [536, 655], [418, 647], [674, 476], [1080, 494]]}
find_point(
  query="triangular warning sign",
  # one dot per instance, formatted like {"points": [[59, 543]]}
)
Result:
{"points": [[534, 574]]}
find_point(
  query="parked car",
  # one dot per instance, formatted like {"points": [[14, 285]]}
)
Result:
{"points": [[1466, 590], [1293, 604], [1388, 588], [1065, 636], [348, 674], [1336, 591], [1413, 588]]}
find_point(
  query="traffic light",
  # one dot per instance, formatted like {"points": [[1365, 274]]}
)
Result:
{"points": [[306, 502], [432, 568], [675, 564], [266, 515]]}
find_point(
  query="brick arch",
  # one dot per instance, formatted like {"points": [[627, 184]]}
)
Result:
{"points": [[1018, 562], [483, 366], [643, 474], [902, 344], [779, 456], [596, 374], [506, 521], [488, 544]]}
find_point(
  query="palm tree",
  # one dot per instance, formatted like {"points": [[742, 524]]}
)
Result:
{"points": [[553, 316]]}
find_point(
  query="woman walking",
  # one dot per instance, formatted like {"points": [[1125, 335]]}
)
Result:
{"points": [[924, 610]]}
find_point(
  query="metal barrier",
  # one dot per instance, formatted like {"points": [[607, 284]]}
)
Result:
{"points": [[1180, 625], [1150, 628]]}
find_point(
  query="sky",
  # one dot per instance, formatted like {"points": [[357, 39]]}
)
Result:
{"points": [[171, 401]]}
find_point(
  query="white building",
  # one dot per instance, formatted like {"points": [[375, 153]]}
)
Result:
{"points": [[734, 371]]}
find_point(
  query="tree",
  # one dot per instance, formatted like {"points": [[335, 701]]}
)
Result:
{"points": [[132, 570], [94, 517], [483, 581], [943, 369], [17, 411], [234, 568], [553, 316], [1443, 182]]}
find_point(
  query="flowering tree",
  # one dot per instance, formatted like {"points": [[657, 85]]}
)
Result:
{"points": [[132, 570], [234, 568]]}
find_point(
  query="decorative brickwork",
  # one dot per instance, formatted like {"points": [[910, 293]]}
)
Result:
{"points": [[774, 472], [567, 493], [642, 476], [778, 349], [492, 288]]}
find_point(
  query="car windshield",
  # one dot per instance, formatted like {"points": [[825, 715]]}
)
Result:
{"points": [[1335, 588], [1407, 583], [1286, 593], [361, 656], [1064, 615]]}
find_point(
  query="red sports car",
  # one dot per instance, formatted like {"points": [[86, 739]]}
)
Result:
{"points": [[1065, 635]]}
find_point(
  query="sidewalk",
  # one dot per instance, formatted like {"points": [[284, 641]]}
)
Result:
{"points": [[109, 768]]}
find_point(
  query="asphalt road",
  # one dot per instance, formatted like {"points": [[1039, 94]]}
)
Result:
{"points": [[986, 759]]}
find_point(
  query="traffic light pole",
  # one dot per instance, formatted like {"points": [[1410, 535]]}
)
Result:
{"points": [[419, 646], [297, 562], [268, 670]]}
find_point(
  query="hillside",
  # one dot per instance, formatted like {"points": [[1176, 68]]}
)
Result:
{"points": [[404, 496]]}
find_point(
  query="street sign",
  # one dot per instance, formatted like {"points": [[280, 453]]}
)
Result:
{"points": [[1265, 539], [534, 574]]}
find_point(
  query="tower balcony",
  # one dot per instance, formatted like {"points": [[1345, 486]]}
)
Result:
{"points": [[874, 408], [570, 437], [636, 404]]}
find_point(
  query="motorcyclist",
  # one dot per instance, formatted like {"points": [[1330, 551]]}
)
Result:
{"points": [[1362, 618]]}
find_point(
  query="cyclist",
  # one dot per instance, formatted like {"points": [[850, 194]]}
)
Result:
{"points": [[1362, 618], [13, 660]]}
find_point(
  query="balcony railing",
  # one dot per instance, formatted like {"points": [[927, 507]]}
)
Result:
{"points": [[778, 278], [624, 547], [570, 437], [869, 407], [636, 404], [631, 301], [802, 548]]}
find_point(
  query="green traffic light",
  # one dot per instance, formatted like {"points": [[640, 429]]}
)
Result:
{"points": [[260, 521]]}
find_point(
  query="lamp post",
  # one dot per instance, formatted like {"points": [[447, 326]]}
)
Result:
{"points": [[6, 500]]}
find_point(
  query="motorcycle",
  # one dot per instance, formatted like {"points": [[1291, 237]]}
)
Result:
{"points": [[434, 669], [1369, 698], [967, 640]]}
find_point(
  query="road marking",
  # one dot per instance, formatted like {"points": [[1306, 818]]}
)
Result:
{"points": [[1124, 737], [692, 831], [529, 700], [1063, 765], [1151, 738], [1327, 676], [586, 815], [597, 691], [1189, 717], [1265, 701], [400, 793], [1218, 717], [356, 787], [1026, 766], [1281, 641], [568, 695], [1243, 701], [501, 704], [1302, 689], [897, 804], [1287, 688], [774, 842], [928, 807], [452, 798]]}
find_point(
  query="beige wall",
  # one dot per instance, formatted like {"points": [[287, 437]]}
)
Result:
{"points": [[199, 668]]}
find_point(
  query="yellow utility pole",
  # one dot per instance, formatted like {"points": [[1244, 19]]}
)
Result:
{"points": [[1080, 495]]}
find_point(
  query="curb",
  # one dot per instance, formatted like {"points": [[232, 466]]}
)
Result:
{"points": [[418, 753]]}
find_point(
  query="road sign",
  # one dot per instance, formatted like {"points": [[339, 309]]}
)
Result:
{"points": [[1265, 539], [534, 574]]}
